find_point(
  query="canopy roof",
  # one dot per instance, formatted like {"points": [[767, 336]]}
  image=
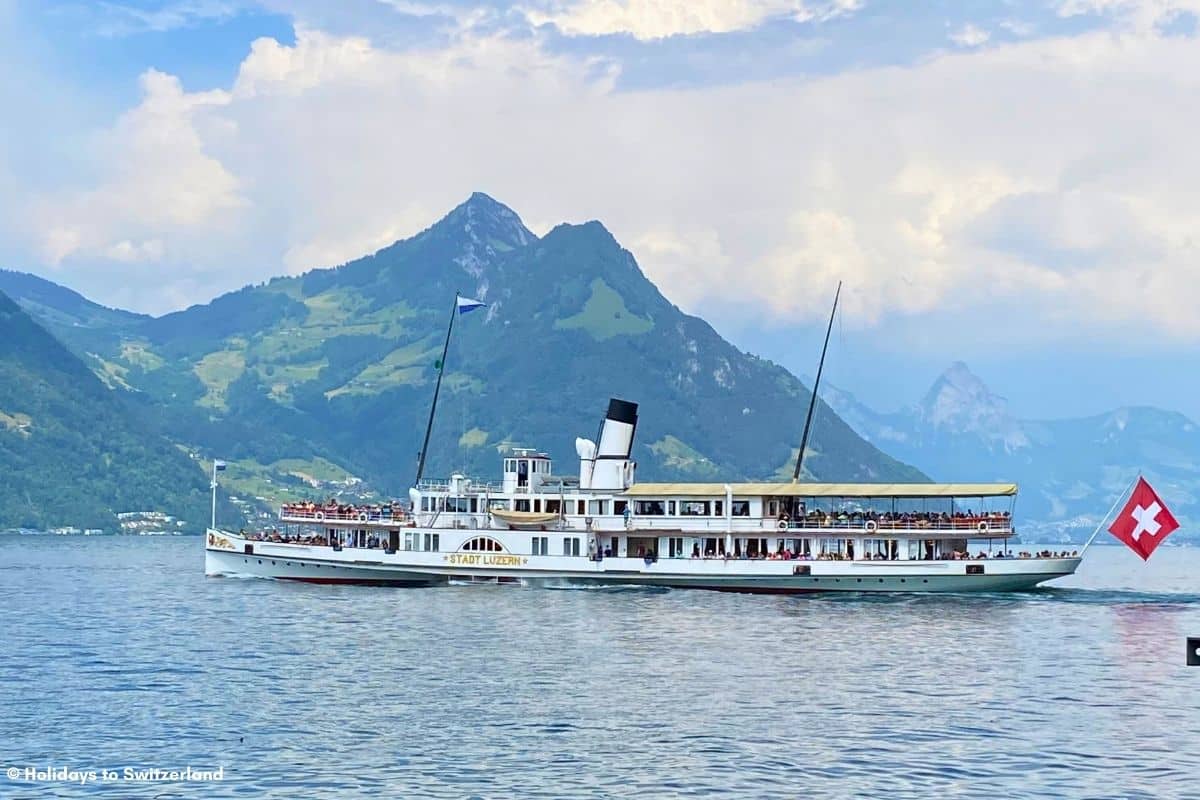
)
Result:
{"points": [[824, 489]]}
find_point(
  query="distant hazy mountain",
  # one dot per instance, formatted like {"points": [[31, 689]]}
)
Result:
{"points": [[336, 366], [1070, 470], [73, 452]]}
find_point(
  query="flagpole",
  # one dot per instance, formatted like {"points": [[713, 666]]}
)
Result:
{"points": [[1120, 497], [213, 486], [436, 391]]}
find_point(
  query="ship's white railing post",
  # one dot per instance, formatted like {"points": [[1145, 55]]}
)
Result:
{"points": [[728, 519], [213, 486]]}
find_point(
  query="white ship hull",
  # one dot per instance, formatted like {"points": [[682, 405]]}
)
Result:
{"points": [[230, 555]]}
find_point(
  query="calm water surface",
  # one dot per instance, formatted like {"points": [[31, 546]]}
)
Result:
{"points": [[118, 652]]}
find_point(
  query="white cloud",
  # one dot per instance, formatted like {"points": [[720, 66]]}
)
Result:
{"points": [[659, 19], [156, 178], [122, 19], [1142, 15], [134, 252], [1022, 176], [969, 35]]}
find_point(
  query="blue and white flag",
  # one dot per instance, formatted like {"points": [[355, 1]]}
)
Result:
{"points": [[466, 304], [218, 466]]}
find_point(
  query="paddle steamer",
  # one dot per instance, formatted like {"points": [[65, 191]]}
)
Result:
{"points": [[601, 526]]}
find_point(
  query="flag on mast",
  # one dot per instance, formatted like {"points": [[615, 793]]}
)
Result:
{"points": [[1144, 522], [218, 466], [466, 304]]}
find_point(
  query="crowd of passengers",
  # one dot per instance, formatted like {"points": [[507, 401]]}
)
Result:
{"points": [[332, 509], [902, 519], [787, 555], [274, 535], [371, 541]]}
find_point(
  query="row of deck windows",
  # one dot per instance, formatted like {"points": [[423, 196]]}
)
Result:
{"points": [[696, 508], [690, 508]]}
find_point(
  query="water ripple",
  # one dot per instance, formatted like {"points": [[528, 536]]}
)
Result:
{"points": [[119, 652]]}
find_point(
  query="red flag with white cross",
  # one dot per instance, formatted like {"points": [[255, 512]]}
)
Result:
{"points": [[1144, 522]]}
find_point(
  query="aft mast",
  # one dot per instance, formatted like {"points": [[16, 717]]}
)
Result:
{"points": [[812, 403]]}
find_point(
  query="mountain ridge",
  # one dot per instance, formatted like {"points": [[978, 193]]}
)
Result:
{"points": [[74, 452], [317, 365], [1070, 469]]}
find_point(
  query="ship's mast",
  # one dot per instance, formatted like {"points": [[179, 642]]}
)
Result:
{"points": [[812, 403], [441, 365]]}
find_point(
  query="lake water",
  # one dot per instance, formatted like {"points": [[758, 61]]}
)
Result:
{"points": [[117, 652]]}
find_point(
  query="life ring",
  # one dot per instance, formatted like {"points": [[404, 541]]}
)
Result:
{"points": [[872, 526], [362, 517], [783, 524], [321, 515], [982, 526]]}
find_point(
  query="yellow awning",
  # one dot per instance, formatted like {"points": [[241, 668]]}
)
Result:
{"points": [[824, 489]]}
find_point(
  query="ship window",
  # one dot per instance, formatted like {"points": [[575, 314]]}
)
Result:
{"points": [[474, 504], [718, 508], [740, 508], [675, 547], [570, 546], [650, 508], [619, 506], [694, 508], [522, 505], [579, 507], [537, 505], [552, 506], [484, 544], [541, 545]]}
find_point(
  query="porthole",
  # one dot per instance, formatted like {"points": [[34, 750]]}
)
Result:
{"points": [[902, 580], [926, 580], [260, 561], [859, 580], [881, 580]]}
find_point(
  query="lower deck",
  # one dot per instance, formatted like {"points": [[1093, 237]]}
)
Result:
{"points": [[228, 554]]}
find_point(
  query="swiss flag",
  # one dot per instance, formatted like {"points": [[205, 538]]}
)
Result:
{"points": [[1144, 522]]}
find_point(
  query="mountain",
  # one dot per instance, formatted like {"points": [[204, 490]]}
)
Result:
{"points": [[72, 451], [1070, 470], [332, 371]]}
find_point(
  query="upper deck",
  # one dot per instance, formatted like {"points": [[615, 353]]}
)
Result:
{"points": [[604, 496]]}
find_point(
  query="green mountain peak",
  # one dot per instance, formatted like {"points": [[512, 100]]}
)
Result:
{"points": [[338, 364]]}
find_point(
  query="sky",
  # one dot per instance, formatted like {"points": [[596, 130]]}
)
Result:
{"points": [[1009, 184]]}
